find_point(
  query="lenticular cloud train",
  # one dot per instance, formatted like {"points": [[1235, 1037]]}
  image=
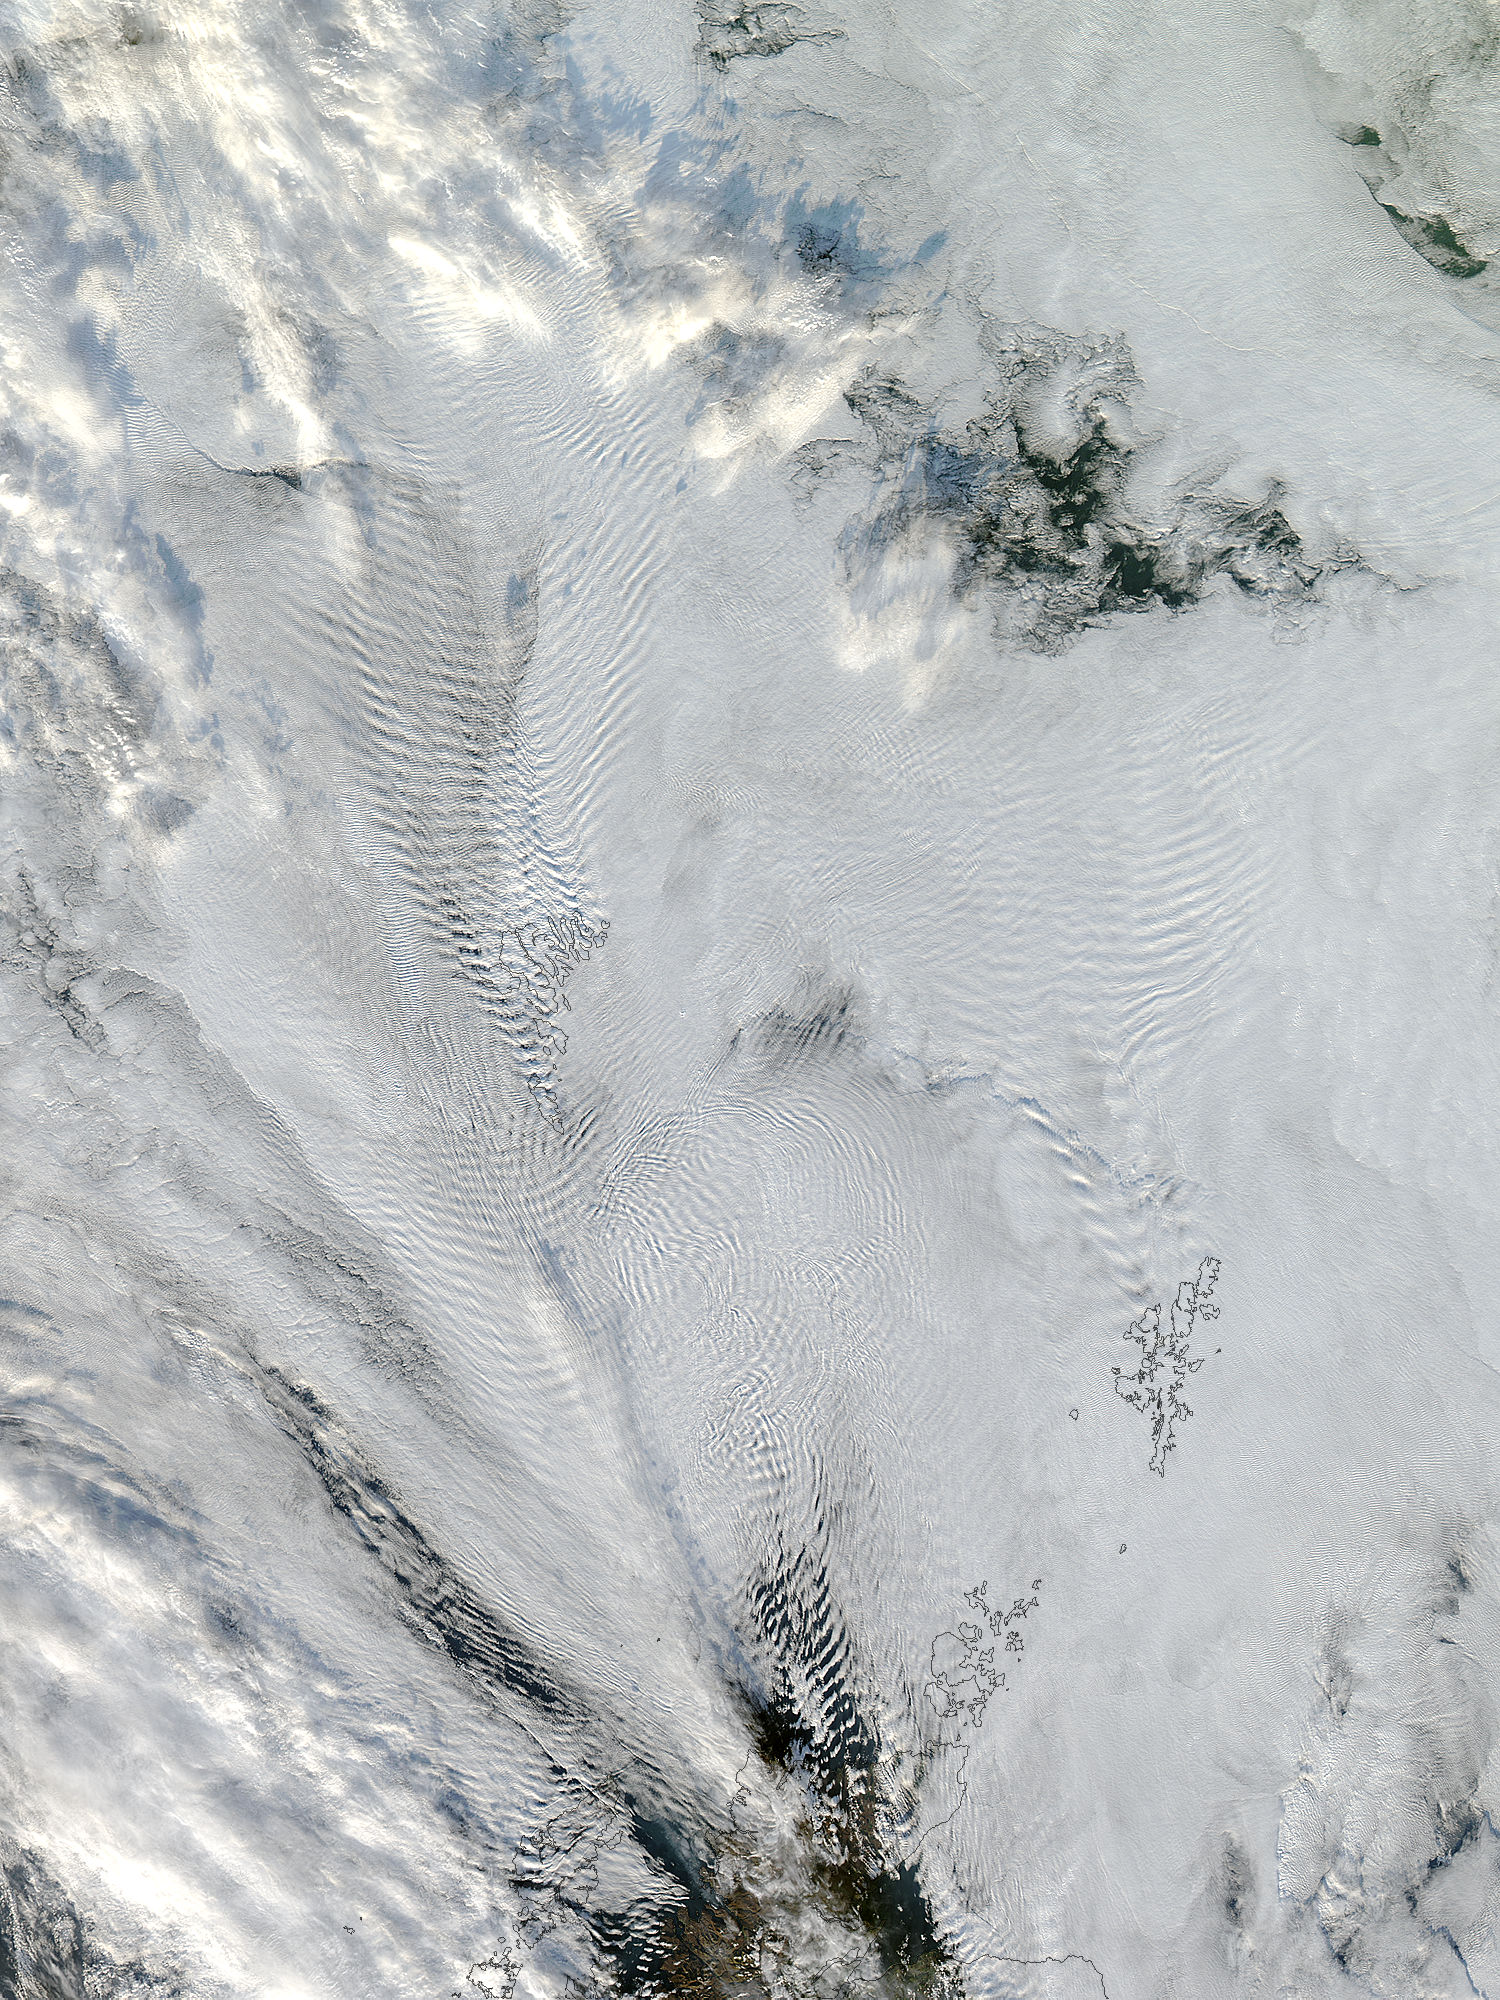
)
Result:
{"points": [[749, 963]]}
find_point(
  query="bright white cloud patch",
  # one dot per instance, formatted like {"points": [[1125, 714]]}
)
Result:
{"points": [[750, 932]]}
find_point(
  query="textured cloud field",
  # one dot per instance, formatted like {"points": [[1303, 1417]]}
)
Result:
{"points": [[751, 891]]}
